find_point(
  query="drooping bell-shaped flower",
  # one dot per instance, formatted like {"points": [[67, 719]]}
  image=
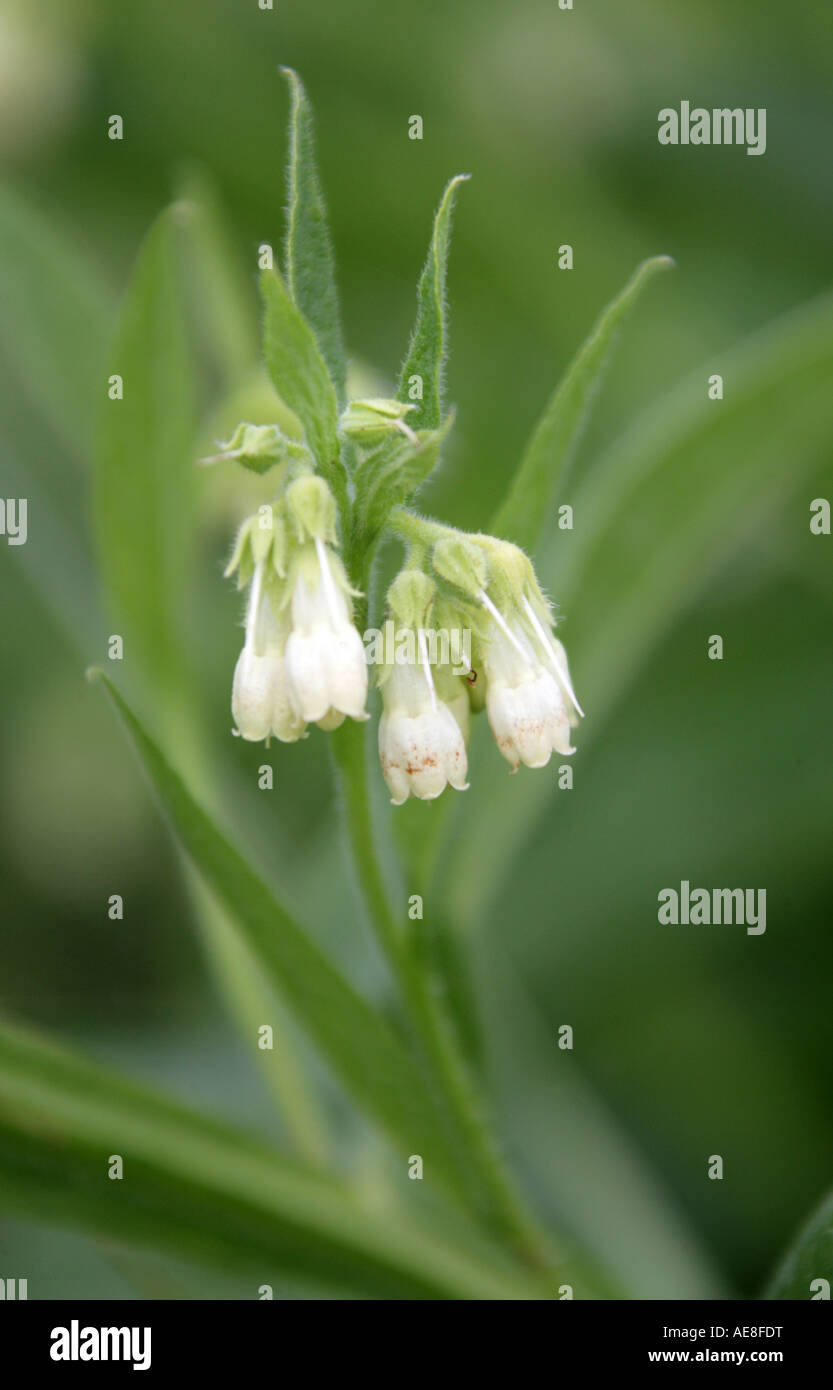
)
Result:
{"points": [[524, 703], [552, 651], [260, 702], [529, 696], [326, 667], [421, 745], [424, 724]]}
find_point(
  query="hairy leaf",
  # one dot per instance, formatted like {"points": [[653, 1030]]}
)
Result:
{"points": [[429, 342], [310, 268], [300, 376]]}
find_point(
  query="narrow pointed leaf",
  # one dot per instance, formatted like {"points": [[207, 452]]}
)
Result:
{"points": [[198, 1190], [299, 373], [144, 474], [308, 253], [358, 1044], [523, 514], [666, 504], [429, 342]]}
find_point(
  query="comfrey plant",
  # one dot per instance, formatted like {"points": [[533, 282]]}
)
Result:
{"points": [[463, 629], [343, 483]]}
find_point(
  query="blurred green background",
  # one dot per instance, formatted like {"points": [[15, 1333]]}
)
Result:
{"points": [[688, 1042]]}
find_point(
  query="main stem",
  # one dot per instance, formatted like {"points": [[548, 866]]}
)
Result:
{"points": [[424, 1010]]}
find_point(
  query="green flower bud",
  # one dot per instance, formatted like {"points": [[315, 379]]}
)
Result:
{"points": [[312, 507], [459, 561], [260, 447], [369, 422], [410, 598]]}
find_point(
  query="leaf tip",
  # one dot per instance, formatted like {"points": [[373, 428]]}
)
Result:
{"points": [[655, 263], [183, 211], [296, 86]]}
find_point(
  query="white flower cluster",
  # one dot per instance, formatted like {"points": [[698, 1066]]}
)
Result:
{"points": [[519, 670], [303, 661]]}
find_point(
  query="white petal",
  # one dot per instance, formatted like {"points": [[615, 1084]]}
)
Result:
{"points": [[286, 725], [347, 672], [307, 675], [422, 754], [529, 720], [392, 769], [251, 695]]}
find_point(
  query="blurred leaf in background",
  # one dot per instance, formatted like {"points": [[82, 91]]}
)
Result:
{"points": [[686, 1042]]}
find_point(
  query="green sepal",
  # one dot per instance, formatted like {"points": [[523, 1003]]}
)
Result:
{"points": [[462, 563], [312, 508], [370, 422], [261, 447], [391, 473]]}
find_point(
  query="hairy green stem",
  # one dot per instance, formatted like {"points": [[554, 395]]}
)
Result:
{"points": [[415, 529], [423, 1009]]}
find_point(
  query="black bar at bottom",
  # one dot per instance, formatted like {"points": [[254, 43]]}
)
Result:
{"points": [[64, 1338]]}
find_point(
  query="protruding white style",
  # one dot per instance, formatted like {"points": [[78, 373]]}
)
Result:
{"points": [[326, 668], [260, 702], [529, 697]]}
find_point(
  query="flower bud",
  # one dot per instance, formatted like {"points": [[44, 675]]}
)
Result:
{"points": [[261, 447], [312, 507], [369, 422]]}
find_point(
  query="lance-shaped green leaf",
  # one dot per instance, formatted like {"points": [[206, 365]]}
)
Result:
{"points": [[429, 342], [198, 1190], [299, 374], [359, 1045], [523, 514], [144, 474], [664, 505], [392, 472], [308, 253], [806, 1270]]}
